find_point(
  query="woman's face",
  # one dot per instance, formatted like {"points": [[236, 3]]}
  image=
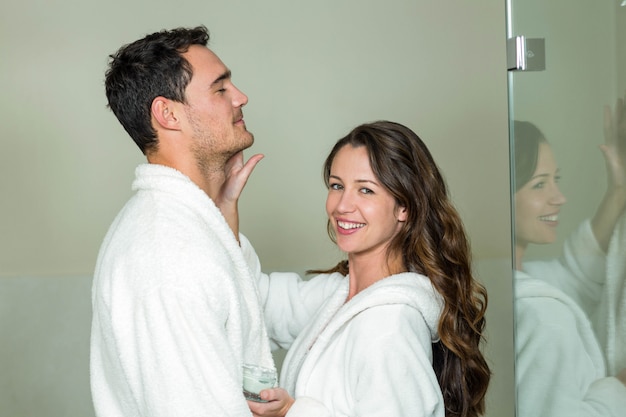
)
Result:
{"points": [[363, 214], [538, 202]]}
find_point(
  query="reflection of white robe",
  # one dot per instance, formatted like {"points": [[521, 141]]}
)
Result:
{"points": [[611, 318], [580, 272], [560, 369]]}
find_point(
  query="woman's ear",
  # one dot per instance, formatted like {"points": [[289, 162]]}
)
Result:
{"points": [[163, 112], [402, 214]]}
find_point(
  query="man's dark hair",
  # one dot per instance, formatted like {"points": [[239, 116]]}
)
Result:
{"points": [[145, 69]]}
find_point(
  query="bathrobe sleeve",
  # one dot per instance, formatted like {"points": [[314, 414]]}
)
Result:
{"points": [[289, 301], [185, 361], [179, 356], [554, 374]]}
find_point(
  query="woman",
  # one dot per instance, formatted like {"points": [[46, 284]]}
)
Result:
{"points": [[400, 335], [560, 368]]}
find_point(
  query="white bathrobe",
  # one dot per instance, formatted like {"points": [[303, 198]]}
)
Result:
{"points": [[611, 318], [371, 356], [560, 369], [175, 308]]}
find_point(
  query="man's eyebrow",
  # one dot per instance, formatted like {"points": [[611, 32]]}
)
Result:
{"points": [[225, 76]]}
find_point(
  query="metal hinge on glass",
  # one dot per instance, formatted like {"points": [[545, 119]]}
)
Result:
{"points": [[526, 54]]}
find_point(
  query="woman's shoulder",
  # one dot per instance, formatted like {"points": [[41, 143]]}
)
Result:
{"points": [[404, 300], [410, 289]]}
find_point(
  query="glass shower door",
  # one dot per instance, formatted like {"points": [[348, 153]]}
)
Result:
{"points": [[567, 81]]}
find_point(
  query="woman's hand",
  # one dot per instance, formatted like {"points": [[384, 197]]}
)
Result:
{"points": [[614, 148], [236, 175], [277, 405]]}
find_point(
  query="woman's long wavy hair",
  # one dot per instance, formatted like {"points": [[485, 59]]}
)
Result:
{"points": [[432, 243]]}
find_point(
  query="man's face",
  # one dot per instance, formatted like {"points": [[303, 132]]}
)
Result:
{"points": [[214, 109]]}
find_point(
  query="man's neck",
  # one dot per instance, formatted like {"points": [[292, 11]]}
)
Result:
{"points": [[210, 180]]}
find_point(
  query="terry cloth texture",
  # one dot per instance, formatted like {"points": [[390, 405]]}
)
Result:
{"points": [[611, 319], [175, 308], [560, 367], [371, 356]]}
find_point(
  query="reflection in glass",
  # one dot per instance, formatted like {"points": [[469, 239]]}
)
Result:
{"points": [[561, 304]]}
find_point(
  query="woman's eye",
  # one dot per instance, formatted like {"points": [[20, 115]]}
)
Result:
{"points": [[366, 191], [538, 186], [335, 186]]}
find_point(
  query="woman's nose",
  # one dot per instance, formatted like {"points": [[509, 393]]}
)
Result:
{"points": [[557, 197], [345, 203]]}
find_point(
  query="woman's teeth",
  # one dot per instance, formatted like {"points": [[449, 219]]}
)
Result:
{"points": [[551, 218], [346, 225]]}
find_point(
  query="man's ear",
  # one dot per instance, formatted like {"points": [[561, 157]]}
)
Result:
{"points": [[165, 112]]}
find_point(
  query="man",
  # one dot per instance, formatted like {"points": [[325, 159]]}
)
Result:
{"points": [[175, 307]]}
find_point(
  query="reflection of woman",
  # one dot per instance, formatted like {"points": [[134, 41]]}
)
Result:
{"points": [[560, 368], [400, 336]]}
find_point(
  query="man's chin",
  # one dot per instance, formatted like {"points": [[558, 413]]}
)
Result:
{"points": [[248, 141]]}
